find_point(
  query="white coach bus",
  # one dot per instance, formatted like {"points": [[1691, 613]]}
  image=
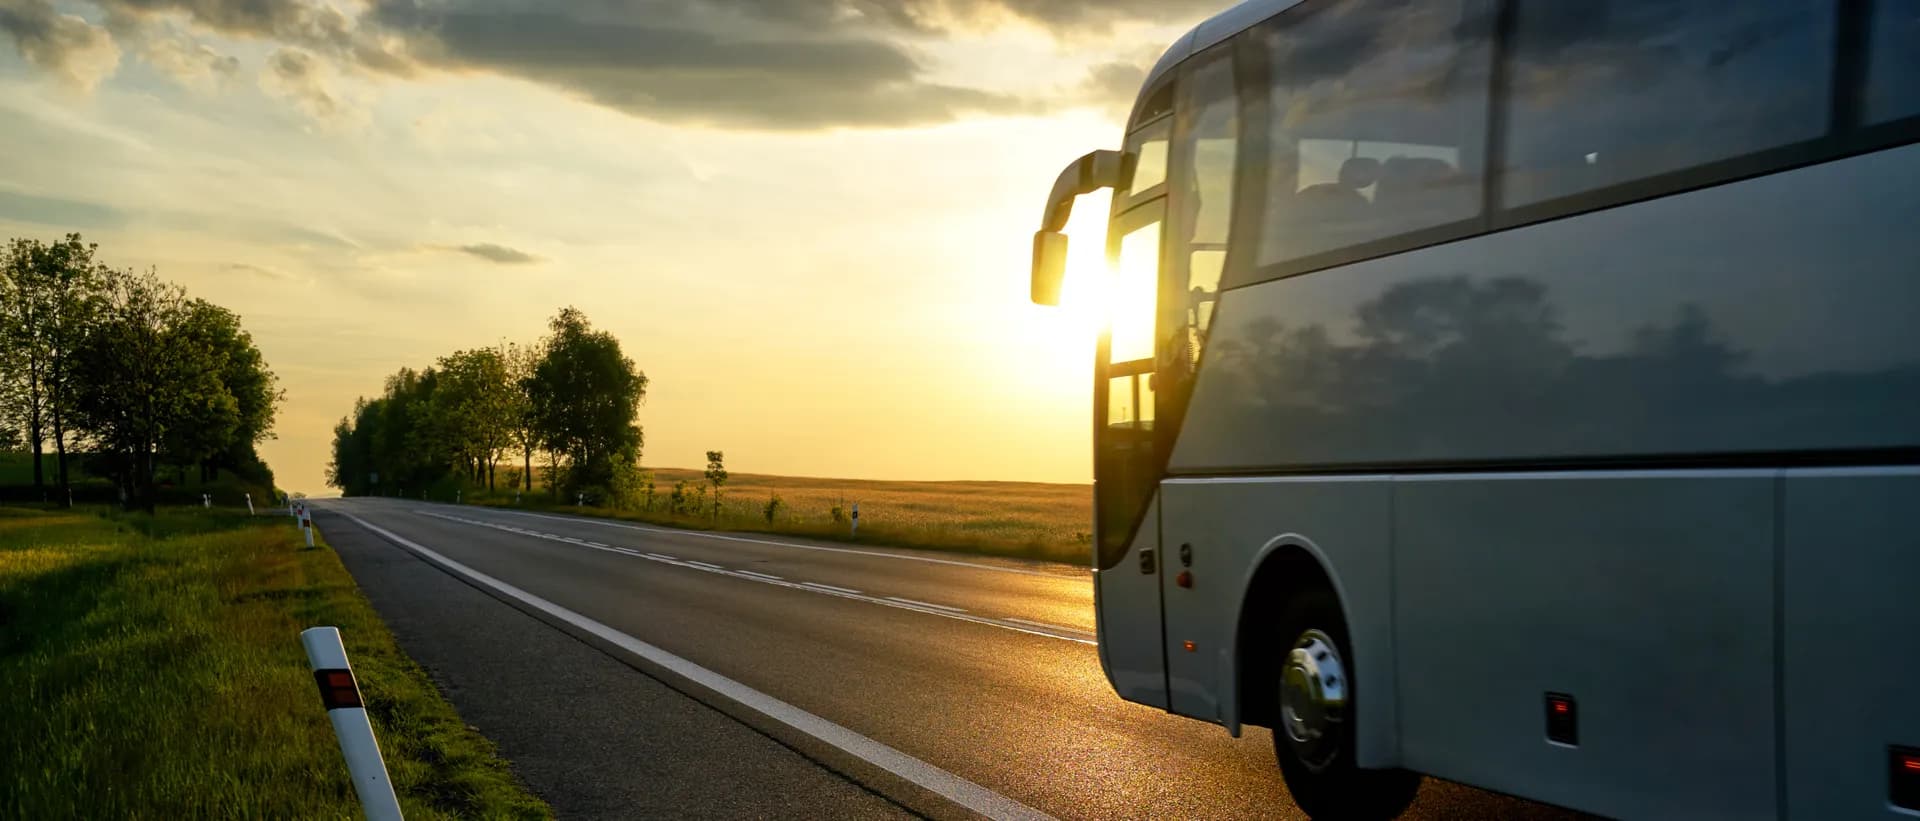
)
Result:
{"points": [[1529, 396]]}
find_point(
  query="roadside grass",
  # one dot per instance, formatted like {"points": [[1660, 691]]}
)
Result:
{"points": [[1033, 520], [153, 669]]}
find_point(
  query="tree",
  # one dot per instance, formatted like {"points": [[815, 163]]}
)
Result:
{"points": [[521, 361], [472, 406], [244, 374], [145, 377], [49, 294], [716, 476], [586, 395]]}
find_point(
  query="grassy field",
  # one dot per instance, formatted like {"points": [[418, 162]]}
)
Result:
{"points": [[153, 669], [1024, 519]]}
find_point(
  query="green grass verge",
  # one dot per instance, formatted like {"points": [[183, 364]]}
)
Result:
{"points": [[153, 669]]}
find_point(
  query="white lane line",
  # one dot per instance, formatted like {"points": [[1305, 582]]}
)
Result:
{"points": [[706, 535], [928, 604], [1049, 626], [595, 544], [832, 588], [1030, 628], [959, 790], [705, 565]]}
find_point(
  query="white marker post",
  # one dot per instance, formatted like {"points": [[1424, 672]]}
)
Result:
{"points": [[856, 520], [456, 496], [306, 523], [340, 694], [206, 500], [249, 504]]}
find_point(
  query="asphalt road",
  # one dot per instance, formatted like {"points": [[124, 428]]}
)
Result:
{"points": [[979, 669]]}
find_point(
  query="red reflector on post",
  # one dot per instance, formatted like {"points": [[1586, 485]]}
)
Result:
{"points": [[337, 688]]}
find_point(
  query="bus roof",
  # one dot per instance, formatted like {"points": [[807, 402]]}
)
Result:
{"points": [[1211, 32]]}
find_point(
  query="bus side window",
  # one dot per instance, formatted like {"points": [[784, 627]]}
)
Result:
{"points": [[1610, 92], [1377, 121], [1893, 62]]}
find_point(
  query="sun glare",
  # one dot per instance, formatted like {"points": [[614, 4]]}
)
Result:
{"points": [[1085, 295]]}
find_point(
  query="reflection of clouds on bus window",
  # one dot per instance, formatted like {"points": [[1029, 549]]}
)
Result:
{"points": [[1609, 92], [1371, 99]]}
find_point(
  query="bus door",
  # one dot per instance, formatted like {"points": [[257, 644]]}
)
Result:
{"points": [[1126, 459]]}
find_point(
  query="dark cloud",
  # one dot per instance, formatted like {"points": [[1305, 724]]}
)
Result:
{"points": [[664, 68], [497, 253], [79, 53], [765, 64]]}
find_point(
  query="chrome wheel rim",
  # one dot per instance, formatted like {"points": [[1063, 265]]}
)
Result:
{"points": [[1313, 699]]}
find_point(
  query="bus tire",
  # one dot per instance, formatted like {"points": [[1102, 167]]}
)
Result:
{"points": [[1313, 730]]}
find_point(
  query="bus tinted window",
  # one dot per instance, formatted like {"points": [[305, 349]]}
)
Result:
{"points": [[1376, 121], [1607, 92], [1893, 62]]}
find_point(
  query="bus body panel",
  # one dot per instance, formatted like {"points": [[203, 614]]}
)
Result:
{"points": [[1769, 315], [1851, 642], [1232, 526], [1128, 621], [1647, 596]]}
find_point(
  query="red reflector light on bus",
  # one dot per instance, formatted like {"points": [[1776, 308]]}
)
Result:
{"points": [[1563, 724], [1903, 778]]}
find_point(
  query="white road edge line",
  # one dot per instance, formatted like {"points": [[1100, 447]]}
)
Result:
{"points": [[706, 565], [959, 790], [927, 604], [1049, 626], [706, 535], [1031, 628], [832, 588]]}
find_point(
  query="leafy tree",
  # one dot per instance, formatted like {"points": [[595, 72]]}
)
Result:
{"points": [[716, 477], [49, 295], [586, 395], [521, 361], [145, 378], [471, 408], [252, 385]]}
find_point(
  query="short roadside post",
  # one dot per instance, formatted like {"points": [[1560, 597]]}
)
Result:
{"points": [[340, 694], [206, 500], [249, 504], [856, 520]]}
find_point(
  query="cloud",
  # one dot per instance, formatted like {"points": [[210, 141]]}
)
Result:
{"points": [[754, 64], [496, 253], [77, 52], [766, 76], [175, 52], [312, 26], [301, 78]]}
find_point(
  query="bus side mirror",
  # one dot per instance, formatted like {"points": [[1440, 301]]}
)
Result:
{"points": [[1049, 266]]}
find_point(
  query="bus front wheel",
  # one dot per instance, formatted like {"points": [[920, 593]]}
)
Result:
{"points": [[1313, 734]]}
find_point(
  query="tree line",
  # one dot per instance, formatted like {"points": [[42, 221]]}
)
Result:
{"points": [[126, 368], [569, 400]]}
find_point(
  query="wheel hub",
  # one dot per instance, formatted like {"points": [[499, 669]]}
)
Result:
{"points": [[1313, 699]]}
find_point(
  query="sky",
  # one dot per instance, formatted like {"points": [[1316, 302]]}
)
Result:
{"points": [[808, 221]]}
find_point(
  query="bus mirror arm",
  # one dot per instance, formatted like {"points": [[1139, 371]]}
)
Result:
{"points": [[1090, 173]]}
